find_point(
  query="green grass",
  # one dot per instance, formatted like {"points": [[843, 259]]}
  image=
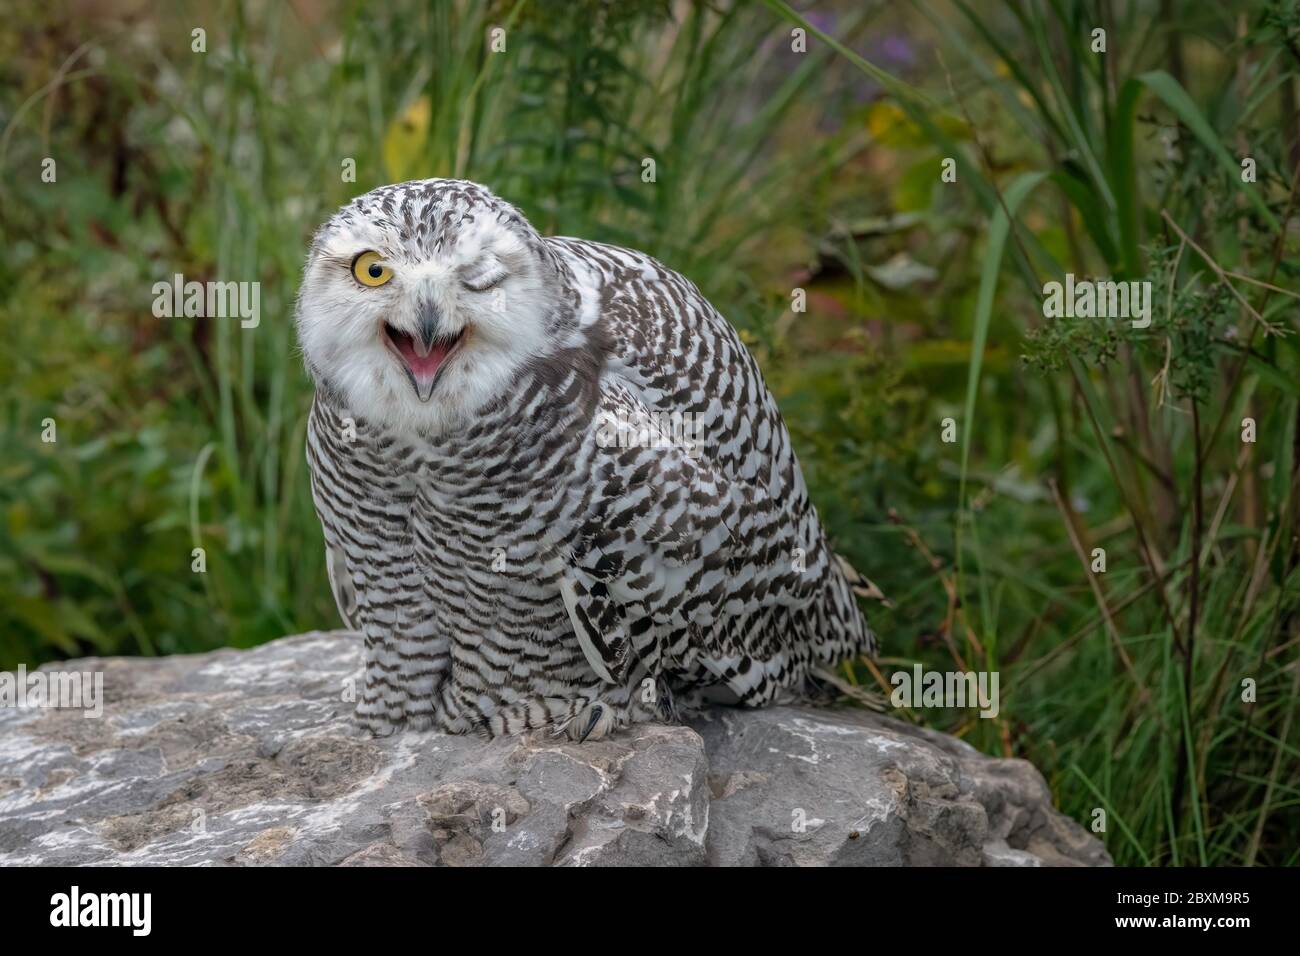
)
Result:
{"points": [[774, 170], [1145, 709]]}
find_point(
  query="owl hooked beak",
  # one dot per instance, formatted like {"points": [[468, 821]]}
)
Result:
{"points": [[424, 355]]}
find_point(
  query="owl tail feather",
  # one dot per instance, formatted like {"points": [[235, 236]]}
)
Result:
{"points": [[860, 584]]}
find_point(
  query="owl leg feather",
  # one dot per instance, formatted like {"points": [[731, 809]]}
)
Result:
{"points": [[380, 708]]}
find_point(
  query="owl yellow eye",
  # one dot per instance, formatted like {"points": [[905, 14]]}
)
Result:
{"points": [[368, 269]]}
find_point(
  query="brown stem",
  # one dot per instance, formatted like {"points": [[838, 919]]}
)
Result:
{"points": [[1194, 590]]}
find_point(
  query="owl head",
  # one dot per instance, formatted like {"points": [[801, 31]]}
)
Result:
{"points": [[423, 302]]}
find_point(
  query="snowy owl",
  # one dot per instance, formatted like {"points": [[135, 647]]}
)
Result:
{"points": [[554, 489]]}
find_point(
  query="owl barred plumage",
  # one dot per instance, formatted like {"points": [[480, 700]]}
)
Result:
{"points": [[511, 521]]}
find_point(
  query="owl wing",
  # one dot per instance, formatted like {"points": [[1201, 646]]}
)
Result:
{"points": [[654, 528], [663, 548], [334, 509], [598, 623], [341, 586]]}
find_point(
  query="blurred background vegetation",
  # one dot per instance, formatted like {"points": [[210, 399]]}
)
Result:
{"points": [[776, 170]]}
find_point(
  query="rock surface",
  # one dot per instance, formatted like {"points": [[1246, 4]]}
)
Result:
{"points": [[250, 758]]}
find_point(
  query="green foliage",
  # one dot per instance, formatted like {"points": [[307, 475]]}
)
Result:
{"points": [[1187, 338], [1127, 686], [178, 434]]}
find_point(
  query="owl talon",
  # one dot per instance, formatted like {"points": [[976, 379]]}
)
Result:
{"points": [[598, 722], [596, 712]]}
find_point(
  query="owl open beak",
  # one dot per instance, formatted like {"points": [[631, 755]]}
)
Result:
{"points": [[422, 358]]}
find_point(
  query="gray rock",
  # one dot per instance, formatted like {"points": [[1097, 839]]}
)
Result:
{"points": [[250, 758], [797, 786]]}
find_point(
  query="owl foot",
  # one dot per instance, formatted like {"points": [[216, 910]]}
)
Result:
{"points": [[376, 725], [594, 722]]}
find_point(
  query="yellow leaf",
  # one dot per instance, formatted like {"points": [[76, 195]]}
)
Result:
{"points": [[890, 126], [953, 125], [405, 140]]}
